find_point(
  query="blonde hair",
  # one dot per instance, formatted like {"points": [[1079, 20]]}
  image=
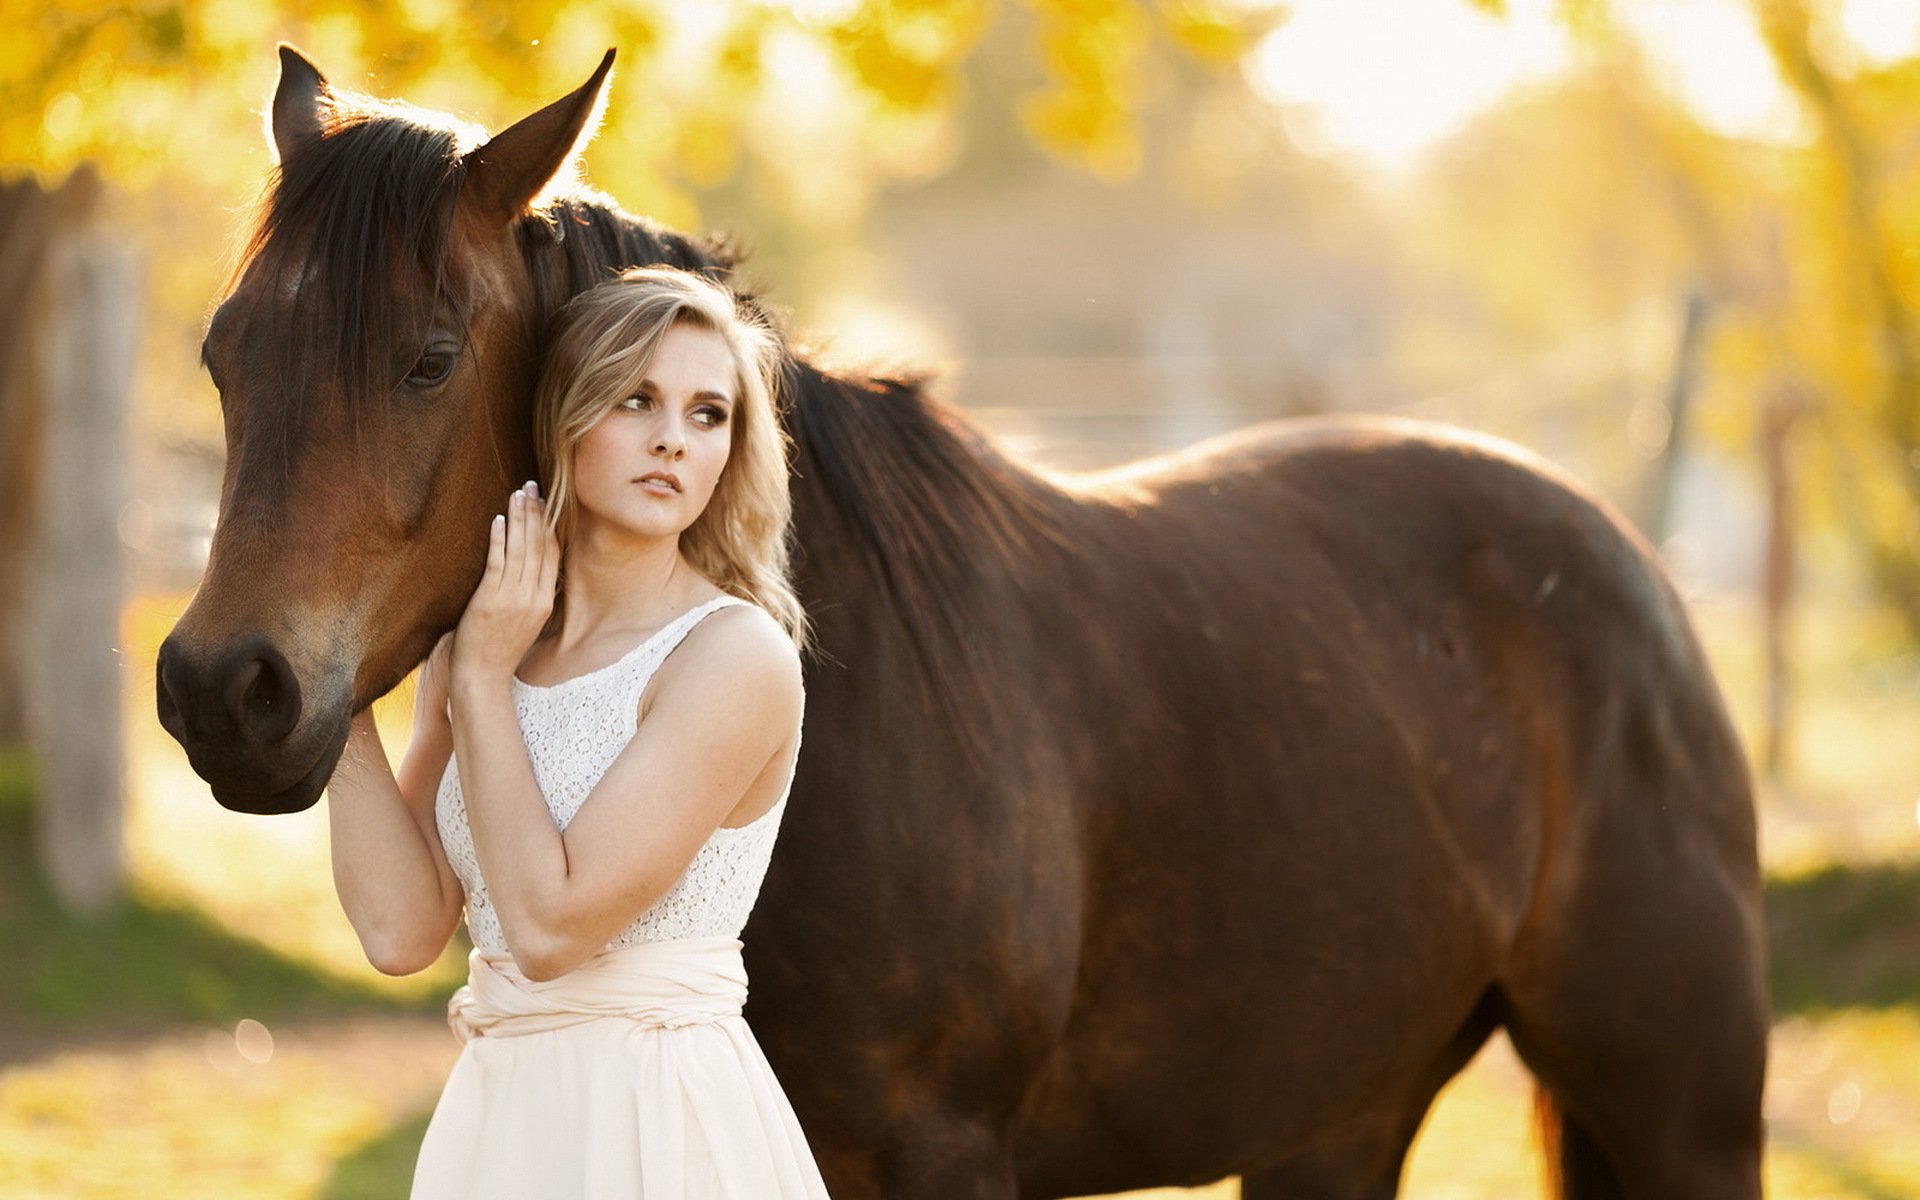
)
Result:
{"points": [[601, 344]]}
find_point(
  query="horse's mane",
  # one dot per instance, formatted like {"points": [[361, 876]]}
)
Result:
{"points": [[598, 239], [942, 521], [932, 508]]}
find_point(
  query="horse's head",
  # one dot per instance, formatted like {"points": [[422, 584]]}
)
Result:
{"points": [[375, 359]]}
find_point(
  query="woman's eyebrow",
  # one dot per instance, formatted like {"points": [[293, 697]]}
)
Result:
{"points": [[707, 395]]}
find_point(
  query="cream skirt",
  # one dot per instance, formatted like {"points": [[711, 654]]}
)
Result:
{"points": [[632, 1077]]}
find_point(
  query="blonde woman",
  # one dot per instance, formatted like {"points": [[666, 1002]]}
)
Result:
{"points": [[601, 758]]}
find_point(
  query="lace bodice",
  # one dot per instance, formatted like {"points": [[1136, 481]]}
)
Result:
{"points": [[574, 730]]}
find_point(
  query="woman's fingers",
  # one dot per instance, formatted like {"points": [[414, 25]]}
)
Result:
{"points": [[546, 553], [549, 558], [523, 559], [530, 548], [516, 540], [496, 551]]}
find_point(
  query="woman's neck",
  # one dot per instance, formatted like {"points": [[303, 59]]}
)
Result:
{"points": [[632, 583]]}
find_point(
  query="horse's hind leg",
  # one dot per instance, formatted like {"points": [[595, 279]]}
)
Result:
{"points": [[1637, 988]]}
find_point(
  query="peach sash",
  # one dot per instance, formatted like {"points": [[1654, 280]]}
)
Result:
{"points": [[632, 1077], [664, 985]]}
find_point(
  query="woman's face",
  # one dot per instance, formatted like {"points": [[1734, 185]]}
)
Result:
{"points": [[649, 467]]}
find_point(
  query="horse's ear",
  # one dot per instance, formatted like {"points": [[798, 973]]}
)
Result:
{"points": [[508, 173], [299, 103]]}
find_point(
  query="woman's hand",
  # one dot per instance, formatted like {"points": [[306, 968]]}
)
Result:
{"points": [[515, 597]]}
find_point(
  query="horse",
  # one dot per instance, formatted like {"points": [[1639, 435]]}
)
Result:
{"points": [[1194, 818]]}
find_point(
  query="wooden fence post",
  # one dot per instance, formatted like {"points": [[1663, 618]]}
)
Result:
{"points": [[70, 655], [30, 219]]}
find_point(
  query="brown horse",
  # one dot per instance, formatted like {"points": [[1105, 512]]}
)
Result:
{"points": [[1193, 819]]}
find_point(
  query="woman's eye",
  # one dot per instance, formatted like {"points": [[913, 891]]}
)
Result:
{"points": [[712, 418], [635, 403], [431, 369]]}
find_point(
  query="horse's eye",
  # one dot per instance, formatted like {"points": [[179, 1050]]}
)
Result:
{"points": [[431, 369]]}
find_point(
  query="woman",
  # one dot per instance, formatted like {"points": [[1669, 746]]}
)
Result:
{"points": [[621, 751]]}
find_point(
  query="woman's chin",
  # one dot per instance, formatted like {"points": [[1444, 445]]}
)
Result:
{"points": [[629, 528]]}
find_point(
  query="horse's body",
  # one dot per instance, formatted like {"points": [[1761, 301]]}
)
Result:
{"points": [[1197, 819]]}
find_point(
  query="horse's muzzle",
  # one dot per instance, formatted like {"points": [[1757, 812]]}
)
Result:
{"points": [[238, 714]]}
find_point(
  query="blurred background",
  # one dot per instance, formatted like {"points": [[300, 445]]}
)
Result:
{"points": [[1669, 244]]}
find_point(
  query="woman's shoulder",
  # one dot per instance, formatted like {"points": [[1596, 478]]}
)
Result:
{"points": [[745, 631], [737, 646], [736, 668]]}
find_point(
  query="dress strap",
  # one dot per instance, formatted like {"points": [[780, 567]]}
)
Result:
{"points": [[639, 669], [683, 624]]}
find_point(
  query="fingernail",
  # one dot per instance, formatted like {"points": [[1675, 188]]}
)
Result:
{"points": [[530, 487], [499, 519]]}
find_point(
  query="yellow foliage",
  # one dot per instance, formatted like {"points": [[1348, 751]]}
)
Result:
{"points": [[1211, 33]]}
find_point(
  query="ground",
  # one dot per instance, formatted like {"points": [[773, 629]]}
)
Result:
{"points": [[218, 1036]]}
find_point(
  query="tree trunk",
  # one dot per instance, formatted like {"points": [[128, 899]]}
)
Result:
{"points": [[1782, 409], [1679, 399], [1889, 550]]}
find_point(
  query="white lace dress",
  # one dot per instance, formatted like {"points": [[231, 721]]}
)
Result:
{"points": [[634, 1075]]}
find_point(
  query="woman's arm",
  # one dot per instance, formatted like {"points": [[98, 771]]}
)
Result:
{"points": [[399, 894], [728, 707], [725, 703]]}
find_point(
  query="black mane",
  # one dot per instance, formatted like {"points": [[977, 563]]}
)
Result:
{"points": [[597, 239]]}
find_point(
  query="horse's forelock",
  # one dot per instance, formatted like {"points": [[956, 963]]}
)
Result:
{"points": [[347, 218]]}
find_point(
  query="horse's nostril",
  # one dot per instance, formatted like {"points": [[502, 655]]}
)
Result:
{"points": [[166, 668], [263, 698]]}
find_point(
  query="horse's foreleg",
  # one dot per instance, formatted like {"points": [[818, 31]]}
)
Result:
{"points": [[1363, 1160]]}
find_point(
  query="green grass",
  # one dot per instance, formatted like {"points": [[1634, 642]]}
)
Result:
{"points": [[381, 1168], [1846, 937], [145, 962]]}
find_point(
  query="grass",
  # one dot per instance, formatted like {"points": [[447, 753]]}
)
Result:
{"points": [[1846, 937], [378, 1168], [147, 961]]}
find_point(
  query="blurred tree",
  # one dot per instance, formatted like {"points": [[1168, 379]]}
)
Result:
{"points": [[1571, 221], [1589, 205], [1865, 126], [795, 113]]}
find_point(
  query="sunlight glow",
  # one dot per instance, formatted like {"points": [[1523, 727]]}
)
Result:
{"points": [[1884, 31], [817, 12], [1709, 55], [1386, 79]]}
